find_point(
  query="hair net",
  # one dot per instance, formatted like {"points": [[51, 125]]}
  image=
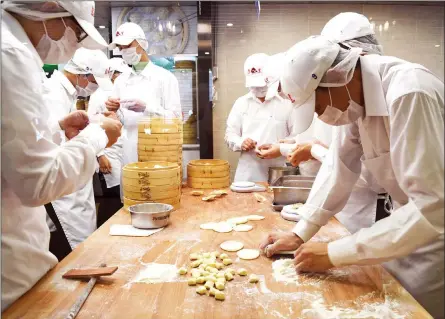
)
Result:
{"points": [[368, 43], [342, 69], [143, 43], [38, 11]]}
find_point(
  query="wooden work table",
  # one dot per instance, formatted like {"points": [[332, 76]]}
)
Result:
{"points": [[359, 290]]}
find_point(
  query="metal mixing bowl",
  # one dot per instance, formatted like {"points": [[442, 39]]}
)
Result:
{"points": [[150, 215]]}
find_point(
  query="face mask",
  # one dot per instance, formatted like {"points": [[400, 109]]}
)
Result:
{"points": [[259, 91], [130, 56], [86, 91], [335, 117], [60, 51]]}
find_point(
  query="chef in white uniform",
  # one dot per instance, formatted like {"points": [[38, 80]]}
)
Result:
{"points": [[148, 90], [255, 120], [35, 170], [75, 212], [111, 158], [388, 112], [311, 147]]}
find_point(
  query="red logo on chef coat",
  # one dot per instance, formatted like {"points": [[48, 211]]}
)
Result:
{"points": [[253, 71], [119, 33]]}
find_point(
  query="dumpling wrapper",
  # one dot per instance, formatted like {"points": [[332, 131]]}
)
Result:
{"points": [[255, 217], [248, 254], [243, 227], [223, 227], [231, 245], [208, 226]]}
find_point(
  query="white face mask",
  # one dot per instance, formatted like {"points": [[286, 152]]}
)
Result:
{"points": [[60, 51], [335, 117], [130, 56], [259, 91], [86, 91]]}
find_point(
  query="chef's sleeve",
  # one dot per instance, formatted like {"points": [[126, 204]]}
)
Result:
{"points": [[234, 129], [417, 157], [334, 183], [172, 100], [33, 166]]}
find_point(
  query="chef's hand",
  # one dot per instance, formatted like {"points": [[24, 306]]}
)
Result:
{"points": [[301, 153], [112, 129], [312, 257], [286, 141], [112, 104], [280, 241], [134, 105], [269, 151], [248, 145], [104, 164], [73, 123], [111, 115]]}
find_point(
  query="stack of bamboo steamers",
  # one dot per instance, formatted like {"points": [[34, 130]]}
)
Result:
{"points": [[208, 174]]}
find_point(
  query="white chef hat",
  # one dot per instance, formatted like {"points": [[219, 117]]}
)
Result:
{"points": [[253, 70], [127, 33], [83, 12]]}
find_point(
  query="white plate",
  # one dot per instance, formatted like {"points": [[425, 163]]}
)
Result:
{"points": [[243, 184]]}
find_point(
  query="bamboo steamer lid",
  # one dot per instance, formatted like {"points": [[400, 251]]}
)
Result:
{"points": [[151, 189], [151, 169], [151, 195], [160, 148], [147, 182]]}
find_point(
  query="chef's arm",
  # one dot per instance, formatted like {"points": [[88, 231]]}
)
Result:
{"points": [[233, 136], [333, 185], [305, 137], [417, 156]]}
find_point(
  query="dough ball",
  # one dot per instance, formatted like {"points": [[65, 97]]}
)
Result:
{"points": [[223, 256], [209, 284], [231, 270], [201, 290], [212, 291], [196, 263], [242, 272], [253, 279], [201, 280], [220, 285], [192, 282], [219, 266], [228, 276], [194, 256], [220, 274], [227, 261], [219, 295], [231, 245], [196, 273], [182, 271], [248, 254]]}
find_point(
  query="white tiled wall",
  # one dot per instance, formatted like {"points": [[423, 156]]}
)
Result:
{"points": [[413, 33]]}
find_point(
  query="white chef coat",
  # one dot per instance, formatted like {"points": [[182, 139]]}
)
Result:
{"points": [[155, 86], [400, 142], [35, 170], [264, 123], [360, 209], [77, 211], [114, 153]]}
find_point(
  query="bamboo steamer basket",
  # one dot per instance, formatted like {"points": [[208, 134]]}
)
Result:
{"points": [[209, 185], [160, 148], [160, 120], [208, 168], [160, 137], [208, 180], [160, 154], [153, 195], [175, 202], [152, 169], [150, 182], [150, 189]]}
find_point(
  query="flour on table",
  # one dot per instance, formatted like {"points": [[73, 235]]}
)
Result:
{"points": [[156, 273]]}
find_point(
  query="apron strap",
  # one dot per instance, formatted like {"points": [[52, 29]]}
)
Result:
{"points": [[53, 216]]}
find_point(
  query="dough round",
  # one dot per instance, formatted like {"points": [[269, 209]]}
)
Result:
{"points": [[231, 245], [244, 227], [237, 220], [223, 227], [208, 226], [248, 254], [255, 217]]}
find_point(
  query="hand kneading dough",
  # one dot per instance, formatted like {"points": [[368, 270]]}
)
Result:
{"points": [[223, 227], [255, 217], [242, 227], [248, 254], [231, 245]]}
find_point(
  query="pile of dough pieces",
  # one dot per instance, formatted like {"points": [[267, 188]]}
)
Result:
{"points": [[236, 224], [212, 196], [208, 272]]}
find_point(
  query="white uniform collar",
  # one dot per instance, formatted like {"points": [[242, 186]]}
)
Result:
{"points": [[65, 82], [146, 71], [268, 97], [17, 30], [375, 102]]}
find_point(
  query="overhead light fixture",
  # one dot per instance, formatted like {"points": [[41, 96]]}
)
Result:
{"points": [[437, 45], [207, 53], [230, 24], [101, 27]]}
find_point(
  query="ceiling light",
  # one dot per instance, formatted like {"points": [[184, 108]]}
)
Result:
{"points": [[207, 53], [101, 27], [437, 45], [230, 24]]}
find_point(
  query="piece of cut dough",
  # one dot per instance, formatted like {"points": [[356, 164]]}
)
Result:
{"points": [[223, 227], [237, 220], [209, 198], [253, 279], [248, 254], [259, 197], [242, 272], [227, 261], [208, 226], [243, 227], [197, 193], [255, 217], [231, 245]]}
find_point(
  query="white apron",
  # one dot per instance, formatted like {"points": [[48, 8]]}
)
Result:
{"points": [[264, 128], [418, 272]]}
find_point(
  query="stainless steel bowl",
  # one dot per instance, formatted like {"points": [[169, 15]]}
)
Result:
{"points": [[150, 215], [277, 172], [295, 181], [289, 190]]}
